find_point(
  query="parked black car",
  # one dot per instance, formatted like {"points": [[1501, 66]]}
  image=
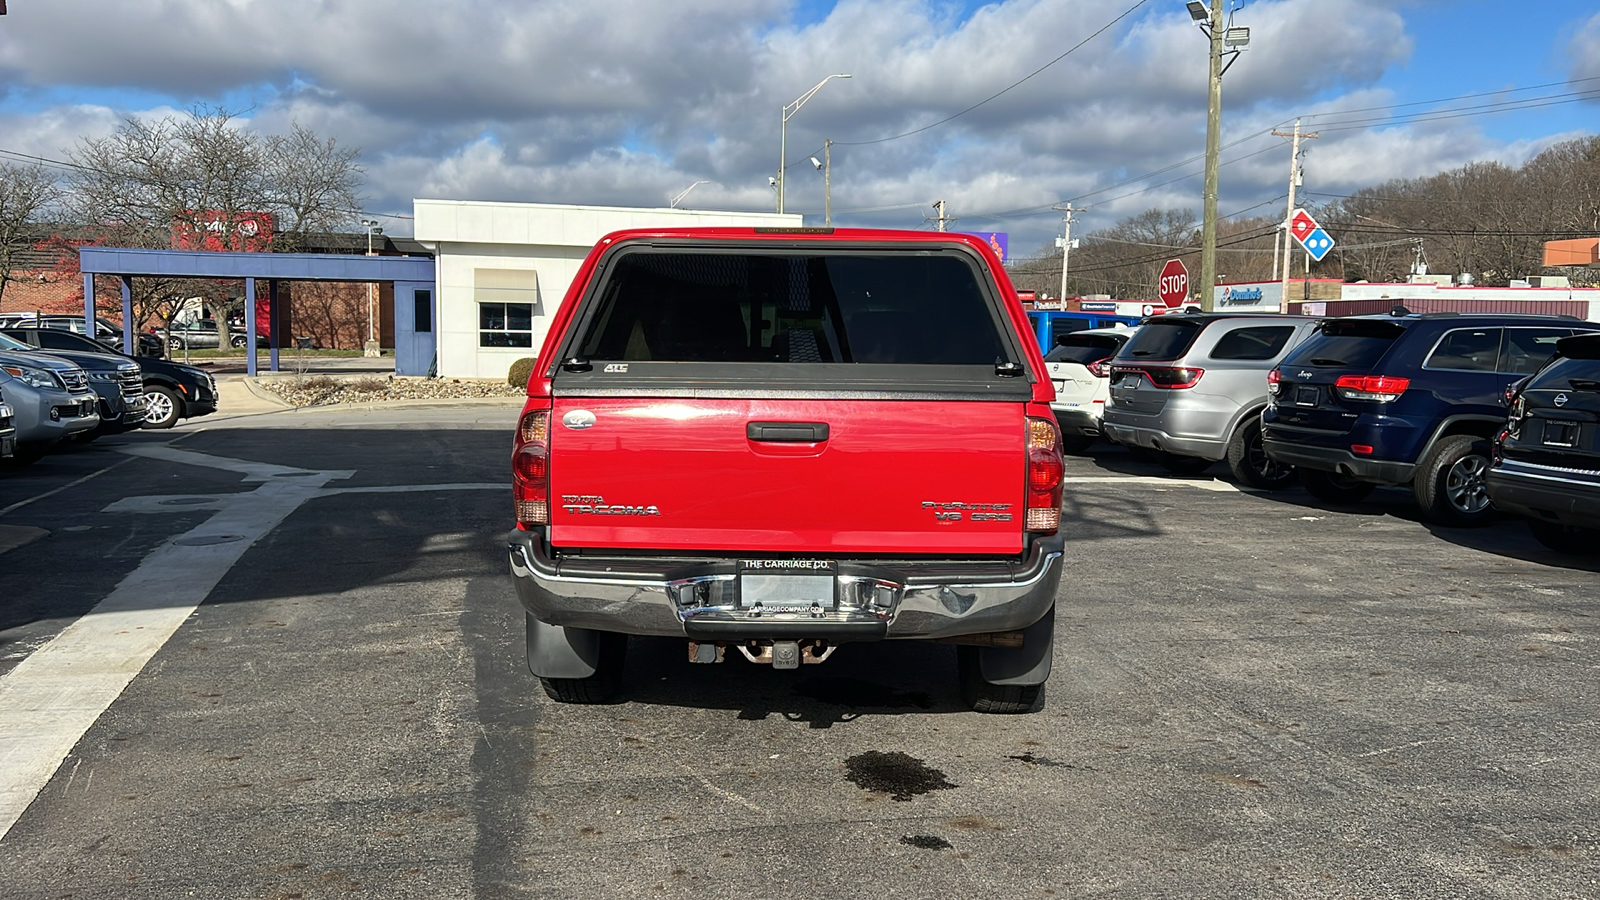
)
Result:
{"points": [[1547, 460], [108, 333], [1405, 399], [172, 391]]}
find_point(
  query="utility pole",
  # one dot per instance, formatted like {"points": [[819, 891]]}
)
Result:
{"points": [[827, 182], [1066, 243], [942, 219], [1208, 228], [1288, 239]]}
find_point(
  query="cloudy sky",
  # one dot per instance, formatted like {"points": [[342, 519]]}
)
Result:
{"points": [[629, 102]]}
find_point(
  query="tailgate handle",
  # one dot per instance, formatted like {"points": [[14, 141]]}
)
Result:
{"points": [[787, 432]]}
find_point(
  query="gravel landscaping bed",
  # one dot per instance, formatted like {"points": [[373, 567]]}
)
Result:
{"points": [[321, 390]]}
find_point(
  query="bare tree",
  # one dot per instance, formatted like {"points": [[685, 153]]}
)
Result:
{"points": [[26, 192], [203, 180]]}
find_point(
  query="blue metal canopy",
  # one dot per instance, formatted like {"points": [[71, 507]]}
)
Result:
{"points": [[411, 275]]}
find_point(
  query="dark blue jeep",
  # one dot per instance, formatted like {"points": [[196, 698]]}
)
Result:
{"points": [[1404, 399]]}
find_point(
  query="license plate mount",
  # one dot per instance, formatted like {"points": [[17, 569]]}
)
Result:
{"points": [[788, 585], [1305, 395], [1560, 433]]}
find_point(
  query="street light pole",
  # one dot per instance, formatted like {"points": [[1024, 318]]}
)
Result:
{"points": [[371, 348], [1208, 232], [783, 130]]}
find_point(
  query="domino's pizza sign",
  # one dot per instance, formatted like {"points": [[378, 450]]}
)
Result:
{"points": [[1305, 229]]}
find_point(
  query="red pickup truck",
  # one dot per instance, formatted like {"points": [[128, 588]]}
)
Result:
{"points": [[776, 441]]}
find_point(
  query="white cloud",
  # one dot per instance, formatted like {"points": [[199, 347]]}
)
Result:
{"points": [[631, 101]]}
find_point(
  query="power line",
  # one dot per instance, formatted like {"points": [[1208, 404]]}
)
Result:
{"points": [[1103, 29]]}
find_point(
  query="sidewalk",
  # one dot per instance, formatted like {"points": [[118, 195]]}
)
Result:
{"points": [[238, 396]]}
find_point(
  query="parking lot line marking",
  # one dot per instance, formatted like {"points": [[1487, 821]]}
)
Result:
{"points": [[51, 698], [51, 493], [1214, 484], [418, 488], [252, 471]]}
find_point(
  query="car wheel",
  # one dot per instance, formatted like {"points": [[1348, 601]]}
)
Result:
{"points": [[238, 340], [1450, 485], [1251, 465], [1331, 487], [175, 343], [1073, 444], [162, 407], [1182, 465], [1573, 539], [602, 686]]}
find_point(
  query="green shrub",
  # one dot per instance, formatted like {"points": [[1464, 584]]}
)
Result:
{"points": [[520, 370]]}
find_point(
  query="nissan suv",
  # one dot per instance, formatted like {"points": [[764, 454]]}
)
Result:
{"points": [[1405, 399], [1192, 387], [1547, 458]]}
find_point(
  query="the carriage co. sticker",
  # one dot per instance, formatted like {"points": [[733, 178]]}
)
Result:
{"points": [[578, 419]]}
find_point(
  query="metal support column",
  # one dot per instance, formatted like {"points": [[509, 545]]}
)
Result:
{"points": [[275, 318], [250, 327], [128, 331], [88, 303]]}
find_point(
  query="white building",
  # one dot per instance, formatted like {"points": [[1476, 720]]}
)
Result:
{"points": [[501, 269]]}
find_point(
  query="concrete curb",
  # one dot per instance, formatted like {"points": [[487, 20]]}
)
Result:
{"points": [[415, 403], [264, 395]]}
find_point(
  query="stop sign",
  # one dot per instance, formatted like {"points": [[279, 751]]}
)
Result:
{"points": [[1173, 288]]}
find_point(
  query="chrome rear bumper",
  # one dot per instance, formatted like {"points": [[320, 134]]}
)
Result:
{"points": [[698, 598]]}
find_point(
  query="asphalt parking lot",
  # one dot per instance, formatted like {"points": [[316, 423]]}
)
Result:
{"points": [[1254, 695]]}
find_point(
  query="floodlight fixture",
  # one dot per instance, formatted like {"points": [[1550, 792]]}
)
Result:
{"points": [[772, 181], [816, 163], [1236, 37], [1198, 11]]}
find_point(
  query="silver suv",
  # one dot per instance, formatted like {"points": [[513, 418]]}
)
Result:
{"points": [[1192, 388], [50, 401]]}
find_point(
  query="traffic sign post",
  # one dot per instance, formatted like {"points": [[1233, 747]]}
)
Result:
{"points": [[1173, 285]]}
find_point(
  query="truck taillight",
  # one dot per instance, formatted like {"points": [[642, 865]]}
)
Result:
{"points": [[1044, 477], [530, 468], [1274, 382]]}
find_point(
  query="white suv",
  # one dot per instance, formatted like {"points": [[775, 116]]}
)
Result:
{"points": [[1080, 364]]}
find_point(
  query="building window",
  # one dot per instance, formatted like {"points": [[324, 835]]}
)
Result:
{"points": [[422, 311], [508, 305], [505, 324]]}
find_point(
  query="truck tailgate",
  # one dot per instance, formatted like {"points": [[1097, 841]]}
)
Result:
{"points": [[808, 476]]}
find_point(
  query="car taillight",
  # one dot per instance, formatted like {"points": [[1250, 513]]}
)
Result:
{"points": [[1380, 388], [1273, 379], [1098, 368], [1518, 411], [1173, 377], [530, 468], [1043, 514]]}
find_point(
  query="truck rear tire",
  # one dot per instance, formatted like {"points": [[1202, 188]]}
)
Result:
{"points": [[576, 665], [1009, 680]]}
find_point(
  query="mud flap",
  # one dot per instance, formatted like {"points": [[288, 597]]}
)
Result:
{"points": [[557, 652], [1025, 665]]}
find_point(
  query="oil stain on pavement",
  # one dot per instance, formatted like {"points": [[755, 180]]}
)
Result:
{"points": [[895, 774]]}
